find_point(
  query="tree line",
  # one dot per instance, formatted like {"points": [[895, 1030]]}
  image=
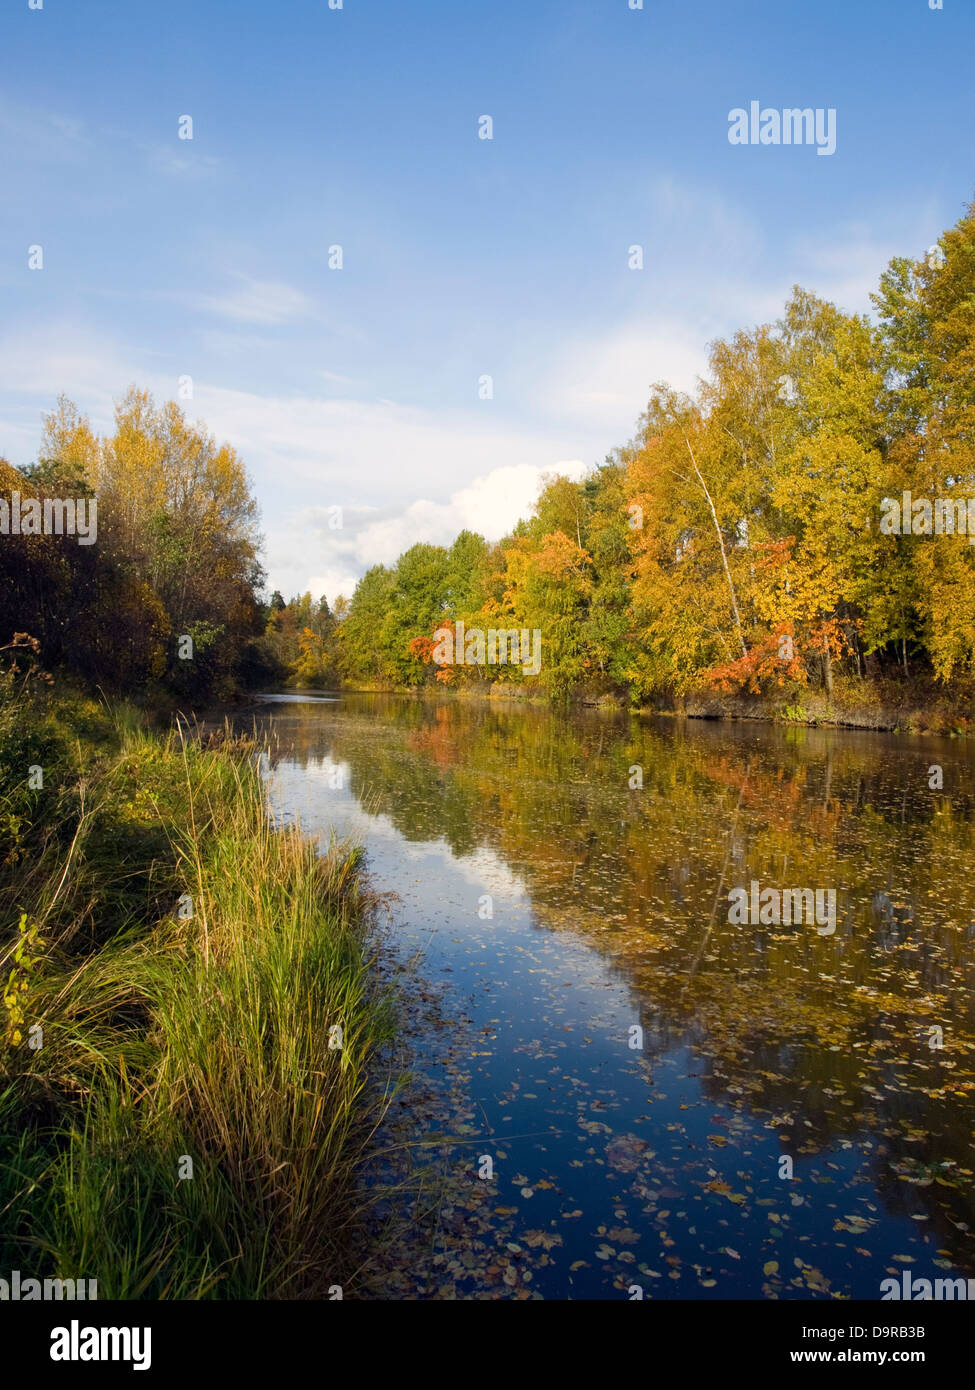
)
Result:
{"points": [[743, 539], [169, 597]]}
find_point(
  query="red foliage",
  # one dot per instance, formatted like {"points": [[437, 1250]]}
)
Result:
{"points": [[421, 649], [774, 660]]}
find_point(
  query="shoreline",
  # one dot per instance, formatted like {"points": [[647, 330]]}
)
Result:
{"points": [[929, 713]]}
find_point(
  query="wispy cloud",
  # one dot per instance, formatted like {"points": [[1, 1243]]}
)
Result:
{"points": [[259, 301], [35, 134], [184, 162]]}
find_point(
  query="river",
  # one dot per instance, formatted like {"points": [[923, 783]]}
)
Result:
{"points": [[643, 1098]]}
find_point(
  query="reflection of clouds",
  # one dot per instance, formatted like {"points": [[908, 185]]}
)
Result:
{"points": [[485, 866], [294, 786], [300, 698], [483, 869], [316, 794], [327, 770]]}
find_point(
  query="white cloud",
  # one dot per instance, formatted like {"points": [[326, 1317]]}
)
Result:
{"points": [[352, 451], [39, 362], [259, 301], [490, 505], [606, 381], [400, 473], [331, 582]]}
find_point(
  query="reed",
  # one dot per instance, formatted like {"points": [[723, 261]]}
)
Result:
{"points": [[205, 988]]}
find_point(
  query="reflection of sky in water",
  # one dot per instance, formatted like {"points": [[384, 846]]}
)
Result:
{"points": [[309, 793], [658, 1167]]}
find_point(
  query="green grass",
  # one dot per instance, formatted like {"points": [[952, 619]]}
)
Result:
{"points": [[169, 1038]]}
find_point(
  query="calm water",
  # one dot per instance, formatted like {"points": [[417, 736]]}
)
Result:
{"points": [[661, 1165]]}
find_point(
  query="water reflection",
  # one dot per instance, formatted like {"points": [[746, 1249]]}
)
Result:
{"points": [[759, 1043]]}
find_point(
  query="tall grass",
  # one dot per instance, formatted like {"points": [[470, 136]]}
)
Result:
{"points": [[232, 1040]]}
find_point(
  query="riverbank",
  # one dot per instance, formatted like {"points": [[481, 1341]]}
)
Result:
{"points": [[189, 1014], [915, 706]]}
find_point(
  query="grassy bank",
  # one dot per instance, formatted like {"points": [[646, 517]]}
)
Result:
{"points": [[186, 990]]}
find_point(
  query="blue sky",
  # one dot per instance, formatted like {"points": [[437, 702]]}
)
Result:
{"points": [[461, 257]]}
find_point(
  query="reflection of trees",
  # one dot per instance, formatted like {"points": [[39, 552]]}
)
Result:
{"points": [[832, 1031]]}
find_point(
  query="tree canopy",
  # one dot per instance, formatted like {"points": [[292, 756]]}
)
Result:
{"points": [[736, 542]]}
